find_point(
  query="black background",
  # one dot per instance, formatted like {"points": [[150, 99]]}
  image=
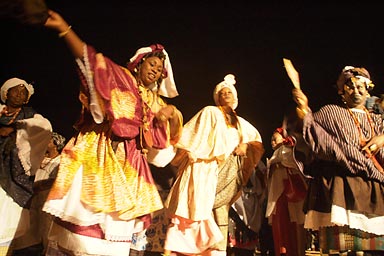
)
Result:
{"points": [[205, 41]]}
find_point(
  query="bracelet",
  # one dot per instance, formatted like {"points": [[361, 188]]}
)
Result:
{"points": [[301, 112], [163, 118], [64, 33]]}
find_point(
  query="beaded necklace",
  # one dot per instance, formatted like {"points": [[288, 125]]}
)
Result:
{"points": [[363, 140], [148, 98], [7, 114], [144, 128]]}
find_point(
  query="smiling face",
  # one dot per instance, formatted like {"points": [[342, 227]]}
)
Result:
{"points": [[355, 93], [226, 97], [150, 70]]}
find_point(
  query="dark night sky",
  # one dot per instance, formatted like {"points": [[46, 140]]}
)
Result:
{"points": [[205, 42]]}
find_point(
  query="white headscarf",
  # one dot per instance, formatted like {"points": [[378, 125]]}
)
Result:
{"points": [[13, 82], [229, 82]]}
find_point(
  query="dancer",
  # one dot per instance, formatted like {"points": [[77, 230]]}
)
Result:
{"points": [[217, 153], [104, 191], [345, 200], [24, 136]]}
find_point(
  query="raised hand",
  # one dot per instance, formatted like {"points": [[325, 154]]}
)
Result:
{"points": [[300, 98], [56, 22]]}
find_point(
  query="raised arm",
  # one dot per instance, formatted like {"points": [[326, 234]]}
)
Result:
{"points": [[56, 22], [302, 102]]}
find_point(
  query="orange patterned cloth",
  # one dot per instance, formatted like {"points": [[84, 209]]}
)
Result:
{"points": [[110, 182], [104, 183]]}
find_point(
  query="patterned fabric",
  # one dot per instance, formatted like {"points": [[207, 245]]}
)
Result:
{"points": [[104, 174], [340, 142], [347, 187], [207, 143], [344, 238], [229, 181], [13, 177], [114, 174], [19, 153]]}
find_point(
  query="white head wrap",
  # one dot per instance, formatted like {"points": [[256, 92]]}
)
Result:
{"points": [[13, 82], [229, 82], [167, 87]]}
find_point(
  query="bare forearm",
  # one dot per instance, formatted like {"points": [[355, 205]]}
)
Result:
{"points": [[65, 31], [74, 43], [176, 125]]}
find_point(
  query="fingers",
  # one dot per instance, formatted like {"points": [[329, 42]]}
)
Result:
{"points": [[300, 98], [240, 150]]}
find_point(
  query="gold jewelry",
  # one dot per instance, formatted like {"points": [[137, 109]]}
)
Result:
{"points": [[163, 118], [64, 33], [13, 115], [363, 139], [301, 112], [373, 147]]}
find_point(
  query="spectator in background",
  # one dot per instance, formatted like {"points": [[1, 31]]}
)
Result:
{"points": [[35, 241], [377, 105], [24, 136], [287, 188], [247, 215]]}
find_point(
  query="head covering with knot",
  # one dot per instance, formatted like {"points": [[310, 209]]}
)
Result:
{"points": [[229, 82], [167, 87], [13, 82], [58, 140], [349, 72]]}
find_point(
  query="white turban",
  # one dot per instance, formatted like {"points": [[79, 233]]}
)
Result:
{"points": [[13, 82], [229, 82]]}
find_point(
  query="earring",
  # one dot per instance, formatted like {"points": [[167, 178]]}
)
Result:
{"points": [[135, 70], [342, 99]]}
